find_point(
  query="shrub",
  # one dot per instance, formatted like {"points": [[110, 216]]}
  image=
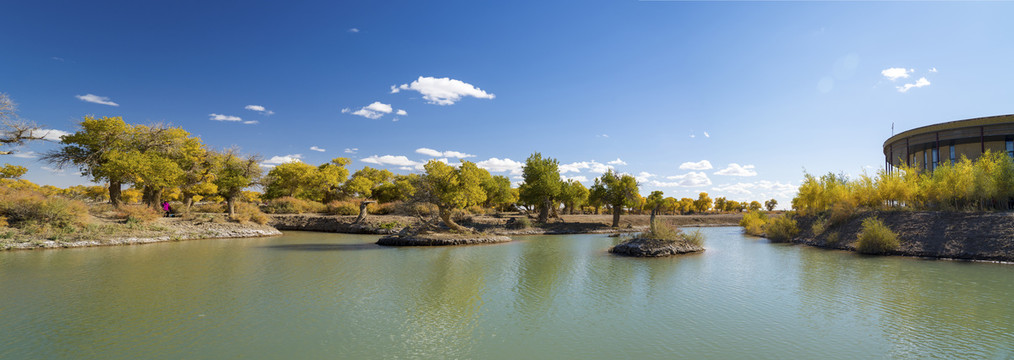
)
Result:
{"points": [[695, 237], [841, 211], [753, 223], [291, 205], [249, 212], [390, 225], [781, 229], [19, 206], [381, 209], [521, 223], [461, 216], [208, 208], [876, 238], [3, 222], [476, 210], [819, 226], [138, 214], [343, 208], [832, 238]]}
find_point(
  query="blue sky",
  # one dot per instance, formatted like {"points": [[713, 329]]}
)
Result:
{"points": [[758, 90]]}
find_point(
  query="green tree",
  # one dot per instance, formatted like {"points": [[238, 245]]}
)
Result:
{"points": [[573, 194], [402, 188], [597, 195], [770, 204], [755, 205], [327, 183], [621, 190], [98, 150], [233, 174], [703, 203], [452, 188], [542, 184], [9, 171], [720, 204], [295, 179], [654, 201], [365, 181], [499, 193]]}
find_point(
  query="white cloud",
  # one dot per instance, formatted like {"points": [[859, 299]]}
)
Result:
{"points": [[692, 136], [437, 153], [220, 117], [390, 160], [401, 112], [691, 179], [736, 170], [580, 178], [700, 165], [443, 91], [617, 162], [26, 155], [259, 109], [57, 172], [284, 159], [765, 187], [896, 73], [315, 148], [501, 165], [644, 176], [353, 30], [918, 84], [933, 70], [50, 134], [351, 150], [592, 166], [104, 100], [706, 134], [372, 111], [602, 135], [251, 122]]}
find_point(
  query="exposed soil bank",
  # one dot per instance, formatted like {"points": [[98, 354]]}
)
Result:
{"points": [[441, 239], [653, 248], [566, 224], [174, 230], [973, 236]]}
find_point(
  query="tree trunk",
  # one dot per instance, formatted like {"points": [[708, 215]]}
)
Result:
{"points": [[152, 197], [544, 211], [651, 222], [596, 210], [616, 215], [445, 216], [232, 205], [114, 193], [188, 200], [362, 211]]}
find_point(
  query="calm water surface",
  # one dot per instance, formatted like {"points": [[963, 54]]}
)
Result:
{"points": [[316, 295]]}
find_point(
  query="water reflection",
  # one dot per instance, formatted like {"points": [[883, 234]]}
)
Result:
{"points": [[329, 295]]}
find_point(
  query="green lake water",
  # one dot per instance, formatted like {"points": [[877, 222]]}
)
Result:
{"points": [[334, 296]]}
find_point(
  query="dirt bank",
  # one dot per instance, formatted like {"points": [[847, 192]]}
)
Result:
{"points": [[974, 236], [161, 230], [495, 224]]}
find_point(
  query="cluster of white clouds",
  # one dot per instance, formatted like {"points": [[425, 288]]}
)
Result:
{"points": [[104, 100], [317, 148], [282, 159], [442, 91], [232, 118], [706, 134], [448, 154], [260, 109], [351, 150], [893, 74], [697, 177], [495, 165], [763, 187], [375, 111], [49, 134]]}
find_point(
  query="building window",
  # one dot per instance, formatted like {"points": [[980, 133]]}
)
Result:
{"points": [[925, 160], [1010, 147], [936, 159], [953, 157]]}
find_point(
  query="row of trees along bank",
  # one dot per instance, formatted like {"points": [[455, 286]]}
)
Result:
{"points": [[166, 162]]}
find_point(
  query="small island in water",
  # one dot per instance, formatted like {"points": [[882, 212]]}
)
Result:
{"points": [[661, 239]]}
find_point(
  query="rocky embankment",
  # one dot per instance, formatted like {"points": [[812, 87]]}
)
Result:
{"points": [[954, 235], [638, 247], [441, 239], [174, 230]]}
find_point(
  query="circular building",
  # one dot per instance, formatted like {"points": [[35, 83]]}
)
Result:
{"points": [[927, 147]]}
